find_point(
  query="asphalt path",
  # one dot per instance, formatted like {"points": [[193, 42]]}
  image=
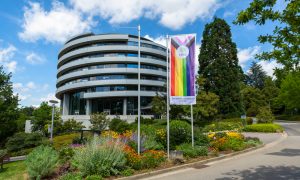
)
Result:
{"points": [[279, 159]]}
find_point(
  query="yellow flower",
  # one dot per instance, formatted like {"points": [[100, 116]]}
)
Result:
{"points": [[235, 135], [211, 135]]}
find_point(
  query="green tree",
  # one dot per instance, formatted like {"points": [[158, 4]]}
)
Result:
{"points": [[253, 100], [219, 66], [256, 76], [271, 93], [290, 91], [206, 107], [42, 117], [159, 104], [285, 37], [25, 113], [8, 107], [71, 125], [99, 121]]}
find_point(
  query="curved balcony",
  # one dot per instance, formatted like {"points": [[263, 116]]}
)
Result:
{"points": [[78, 74], [82, 85], [90, 95], [116, 48], [106, 60]]}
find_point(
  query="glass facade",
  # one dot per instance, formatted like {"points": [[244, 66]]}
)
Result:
{"points": [[77, 105], [112, 106]]}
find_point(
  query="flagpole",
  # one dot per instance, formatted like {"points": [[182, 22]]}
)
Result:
{"points": [[192, 124], [139, 88], [168, 94]]}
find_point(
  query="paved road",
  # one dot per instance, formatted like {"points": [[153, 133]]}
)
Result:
{"points": [[274, 161]]}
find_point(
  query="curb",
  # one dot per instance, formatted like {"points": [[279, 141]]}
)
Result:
{"points": [[214, 159]]}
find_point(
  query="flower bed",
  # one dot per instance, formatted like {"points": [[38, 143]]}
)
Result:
{"points": [[114, 155]]}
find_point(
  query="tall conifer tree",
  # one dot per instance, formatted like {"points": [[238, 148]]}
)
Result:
{"points": [[218, 64]]}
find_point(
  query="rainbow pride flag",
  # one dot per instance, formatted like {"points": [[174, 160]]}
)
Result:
{"points": [[182, 69]]}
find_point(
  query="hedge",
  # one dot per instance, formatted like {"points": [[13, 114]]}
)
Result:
{"points": [[267, 128]]}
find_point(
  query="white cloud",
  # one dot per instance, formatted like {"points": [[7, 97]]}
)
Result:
{"points": [[6, 55], [159, 40], [269, 66], [55, 25], [31, 85], [171, 13], [245, 55], [49, 97], [34, 58], [228, 14]]}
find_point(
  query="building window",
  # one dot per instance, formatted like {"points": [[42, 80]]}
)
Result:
{"points": [[77, 105]]}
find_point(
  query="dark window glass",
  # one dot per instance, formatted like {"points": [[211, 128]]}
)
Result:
{"points": [[77, 104]]}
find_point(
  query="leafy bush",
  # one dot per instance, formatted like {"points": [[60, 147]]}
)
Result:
{"points": [[180, 132], [102, 156], [151, 143], [21, 141], [71, 176], [127, 172], [190, 152], [94, 177], [119, 125], [145, 120], [64, 140], [66, 153], [268, 128], [223, 126], [99, 121], [71, 125], [78, 140], [249, 120], [200, 138], [252, 141], [41, 162], [148, 159], [161, 137], [265, 115], [3, 152], [152, 158]]}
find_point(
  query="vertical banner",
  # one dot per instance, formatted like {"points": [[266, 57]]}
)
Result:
{"points": [[182, 83]]}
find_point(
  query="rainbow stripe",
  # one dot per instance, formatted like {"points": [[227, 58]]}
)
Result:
{"points": [[182, 81]]}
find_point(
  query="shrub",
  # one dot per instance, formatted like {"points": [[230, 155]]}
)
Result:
{"points": [[66, 153], [265, 115], [94, 177], [200, 138], [249, 120], [191, 152], [102, 156], [99, 121], [127, 172], [78, 140], [64, 140], [150, 143], [252, 141], [41, 162], [3, 152], [223, 126], [119, 125], [152, 158], [71, 125], [145, 120], [148, 159], [180, 132], [21, 141], [268, 128], [161, 136], [288, 117], [71, 176]]}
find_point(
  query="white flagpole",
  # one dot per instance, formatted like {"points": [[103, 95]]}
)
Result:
{"points": [[168, 94], [139, 93], [192, 124]]}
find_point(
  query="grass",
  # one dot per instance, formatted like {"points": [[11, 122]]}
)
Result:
{"points": [[14, 171]]}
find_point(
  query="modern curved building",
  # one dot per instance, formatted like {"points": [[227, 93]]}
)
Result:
{"points": [[99, 73]]}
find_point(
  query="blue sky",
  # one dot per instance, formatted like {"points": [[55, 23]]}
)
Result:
{"points": [[33, 32]]}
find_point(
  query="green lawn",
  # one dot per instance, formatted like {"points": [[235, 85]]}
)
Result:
{"points": [[14, 171]]}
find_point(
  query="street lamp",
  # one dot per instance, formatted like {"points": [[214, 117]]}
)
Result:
{"points": [[53, 107]]}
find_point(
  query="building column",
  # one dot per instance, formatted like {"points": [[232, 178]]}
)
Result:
{"points": [[88, 109], [125, 106], [65, 105]]}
